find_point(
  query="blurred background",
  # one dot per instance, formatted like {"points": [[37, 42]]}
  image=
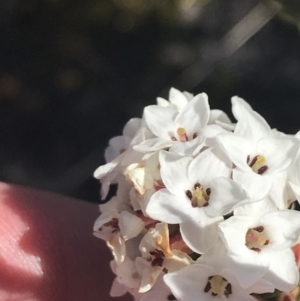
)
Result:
{"points": [[72, 72]]}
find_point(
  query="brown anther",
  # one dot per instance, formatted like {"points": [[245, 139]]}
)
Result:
{"points": [[248, 159], [208, 191], [165, 270], [188, 193], [256, 250], [171, 297], [157, 262], [197, 185], [259, 229], [158, 258], [214, 294], [205, 205], [114, 223], [207, 287], [173, 139], [253, 161], [195, 135], [122, 150], [228, 290], [267, 242], [262, 170]]}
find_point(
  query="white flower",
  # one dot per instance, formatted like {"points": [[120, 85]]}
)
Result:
{"points": [[159, 292], [184, 132], [177, 100], [107, 173], [259, 238], [146, 174], [261, 158], [205, 283], [157, 256], [116, 228], [119, 144], [198, 192]]}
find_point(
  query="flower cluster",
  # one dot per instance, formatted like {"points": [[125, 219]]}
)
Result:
{"points": [[204, 206]]}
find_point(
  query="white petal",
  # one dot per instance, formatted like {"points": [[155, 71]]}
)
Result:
{"points": [[166, 207], [117, 289], [103, 170], [116, 146], [249, 267], [284, 226], [216, 257], [162, 102], [188, 284], [208, 165], [256, 209], [278, 161], [239, 105], [236, 148], [201, 235], [177, 98], [252, 126], [296, 190], [283, 272], [130, 225], [257, 186], [153, 144], [210, 133], [131, 127], [279, 193], [174, 169], [233, 233], [160, 120], [225, 196], [194, 115], [218, 115], [188, 148]]}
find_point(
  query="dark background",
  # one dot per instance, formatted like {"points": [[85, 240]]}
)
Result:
{"points": [[73, 72]]}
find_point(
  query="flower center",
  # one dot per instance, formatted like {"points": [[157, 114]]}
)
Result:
{"points": [[157, 258], [218, 285], [113, 224], [182, 135], [199, 197], [256, 238], [258, 164]]}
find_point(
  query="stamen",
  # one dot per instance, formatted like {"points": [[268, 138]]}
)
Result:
{"points": [[253, 161], [197, 185], [261, 240], [122, 150], [218, 285], [208, 191], [158, 258], [198, 193], [195, 135], [255, 239], [182, 134], [257, 164], [189, 194], [171, 297], [259, 229], [262, 170], [173, 139], [207, 287]]}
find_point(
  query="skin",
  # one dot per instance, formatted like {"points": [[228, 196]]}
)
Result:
{"points": [[47, 250]]}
